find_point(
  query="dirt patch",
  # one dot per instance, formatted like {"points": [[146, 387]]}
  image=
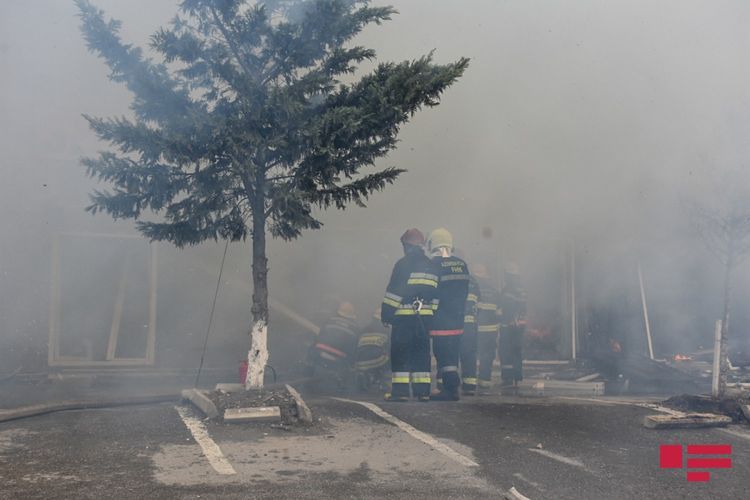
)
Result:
{"points": [[256, 398], [731, 407]]}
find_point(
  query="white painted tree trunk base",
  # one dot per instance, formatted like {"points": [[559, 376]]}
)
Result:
{"points": [[257, 356]]}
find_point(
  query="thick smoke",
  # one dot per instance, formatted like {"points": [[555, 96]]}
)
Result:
{"points": [[583, 123]]}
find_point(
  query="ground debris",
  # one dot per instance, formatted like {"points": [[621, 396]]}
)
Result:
{"points": [[730, 407], [686, 421], [255, 398]]}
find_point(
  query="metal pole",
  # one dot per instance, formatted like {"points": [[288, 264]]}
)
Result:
{"points": [[152, 286], [717, 360], [573, 319], [645, 312], [54, 305]]}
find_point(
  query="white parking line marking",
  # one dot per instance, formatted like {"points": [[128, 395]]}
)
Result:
{"points": [[210, 449], [513, 492], [415, 433], [736, 432], [559, 458], [528, 481]]}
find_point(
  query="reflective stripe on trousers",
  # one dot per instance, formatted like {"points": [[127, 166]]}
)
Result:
{"points": [[421, 378]]}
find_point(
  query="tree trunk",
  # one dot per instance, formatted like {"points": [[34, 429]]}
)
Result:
{"points": [[257, 357], [724, 362]]}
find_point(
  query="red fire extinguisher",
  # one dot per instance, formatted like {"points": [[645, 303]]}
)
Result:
{"points": [[243, 371]]}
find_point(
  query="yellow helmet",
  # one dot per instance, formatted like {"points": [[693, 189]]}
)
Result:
{"points": [[346, 309], [480, 271], [512, 269], [440, 237]]}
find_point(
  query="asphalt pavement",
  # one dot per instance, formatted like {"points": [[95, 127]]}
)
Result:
{"points": [[479, 447]]}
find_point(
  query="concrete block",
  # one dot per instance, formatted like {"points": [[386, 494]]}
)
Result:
{"points": [[200, 400], [230, 387], [532, 387], [303, 411], [686, 421], [746, 412], [259, 414]]}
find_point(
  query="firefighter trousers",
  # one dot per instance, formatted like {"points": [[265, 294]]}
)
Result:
{"points": [[410, 358], [511, 354], [447, 351], [469, 359], [487, 349]]}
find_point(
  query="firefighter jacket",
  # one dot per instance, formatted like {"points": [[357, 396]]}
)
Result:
{"points": [[452, 293], [338, 338], [513, 304], [413, 279], [470, 312], [373, 347], [488, 308]]}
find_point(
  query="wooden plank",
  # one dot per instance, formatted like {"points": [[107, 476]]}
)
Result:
{"points": [[65, 361], [258, 414], [289, 313], [114, 331], [686, 421]]}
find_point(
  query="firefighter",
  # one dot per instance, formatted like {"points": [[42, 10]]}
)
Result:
{"points": [[333, 352], [409, 304], [469, 340], [513, 324], [488, 325], [373, 348], [448, 323]]}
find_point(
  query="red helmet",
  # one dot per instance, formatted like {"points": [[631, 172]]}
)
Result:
{"points": [[413, 236]]}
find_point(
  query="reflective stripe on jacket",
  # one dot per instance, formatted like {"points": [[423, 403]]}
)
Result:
{"points": [[413, 277], [453, 291]]}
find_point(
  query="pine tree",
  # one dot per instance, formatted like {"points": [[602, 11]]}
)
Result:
{"points": [[252, 119]]}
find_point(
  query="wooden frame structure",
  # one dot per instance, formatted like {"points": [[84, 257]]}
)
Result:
{"points": [[55, 359]]}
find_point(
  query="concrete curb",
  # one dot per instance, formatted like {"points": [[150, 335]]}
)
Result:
{"points": [[256, 414], [201, 401], [42, 409], [303, 411]]}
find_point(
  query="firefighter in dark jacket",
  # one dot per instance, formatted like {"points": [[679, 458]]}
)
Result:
{"points": [[373, 350], [448, 323], [488, 325], [469, 340], [409, 304], [513, 325], [333, 352]]}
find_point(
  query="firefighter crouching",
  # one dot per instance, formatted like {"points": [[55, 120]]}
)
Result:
{"points": [[469, 340], [513, 304], [448, 323], [488, 325], [409, 305], [373, 350], [334, 350]]}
